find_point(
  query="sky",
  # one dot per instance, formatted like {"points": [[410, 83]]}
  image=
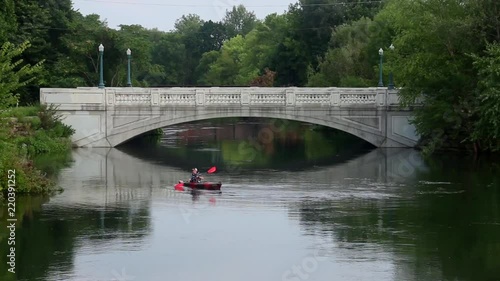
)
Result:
{"points": [[162, 14]]}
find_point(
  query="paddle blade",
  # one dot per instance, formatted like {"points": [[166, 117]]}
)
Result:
{"points": [[179, 187], [211, 170]]}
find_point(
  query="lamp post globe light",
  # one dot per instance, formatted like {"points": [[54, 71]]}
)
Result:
{"points": [[391, 78], [380, 82], [101, 79], [129, 82]]}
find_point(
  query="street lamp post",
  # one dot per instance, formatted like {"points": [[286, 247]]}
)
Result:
{"points": [[129, 83], [391, 79], [101, 77], [380, 82]]}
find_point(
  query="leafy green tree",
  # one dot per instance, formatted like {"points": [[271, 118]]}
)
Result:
{"points": [[80, 65], [288, 56], [225, 70], [434, 39], [190, 23], [239, 21], [14, 73], [261, 44], [213, 35], [315, 21], [8, 23], [486, 19], [170, 54], [203, 68], [290, 63], [144, 70], [42, 23], [487, 129], [347, 63], [244, 58], [310, 26], [189, 28]]}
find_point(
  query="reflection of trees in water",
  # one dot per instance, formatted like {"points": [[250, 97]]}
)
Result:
{"points": [[435, 231], [53, 163], [120, 222], [264, 145], [44, 240]]}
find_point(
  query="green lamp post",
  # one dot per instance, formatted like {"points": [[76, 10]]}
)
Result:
{"points": [[101, 77], [391, 78], [381, 54], [129, 82]]}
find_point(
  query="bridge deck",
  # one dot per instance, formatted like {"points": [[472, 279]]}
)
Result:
{"points": [[215, 96]]}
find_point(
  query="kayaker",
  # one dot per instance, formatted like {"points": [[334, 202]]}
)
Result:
{"points": [[195, 176]]}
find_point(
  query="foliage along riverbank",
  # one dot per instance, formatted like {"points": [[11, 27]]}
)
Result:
{"points": [[25, 134]]}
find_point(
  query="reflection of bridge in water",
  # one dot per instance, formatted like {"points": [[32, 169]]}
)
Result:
{"points": [[108, 176]]}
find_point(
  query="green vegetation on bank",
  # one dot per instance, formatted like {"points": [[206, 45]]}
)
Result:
{"points": [[25, 134], [446, 52]]}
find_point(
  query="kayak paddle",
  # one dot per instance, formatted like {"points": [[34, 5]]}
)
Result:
{"points": [[211, 170]]}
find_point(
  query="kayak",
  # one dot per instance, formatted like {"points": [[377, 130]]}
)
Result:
{"points": [[204, 185]]}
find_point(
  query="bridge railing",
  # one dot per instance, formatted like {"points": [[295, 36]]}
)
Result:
{"points": [[99, 99]]}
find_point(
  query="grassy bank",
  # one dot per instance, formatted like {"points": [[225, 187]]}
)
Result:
{"points": [[25, 134]]}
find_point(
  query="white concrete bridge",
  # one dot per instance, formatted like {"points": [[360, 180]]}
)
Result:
{"points": [[108, 117]]}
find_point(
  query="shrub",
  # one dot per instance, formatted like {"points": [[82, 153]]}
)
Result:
{"points": [[61, 130], [24, 134]]}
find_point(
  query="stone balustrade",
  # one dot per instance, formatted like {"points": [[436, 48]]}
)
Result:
{"points": [[215, 96]]}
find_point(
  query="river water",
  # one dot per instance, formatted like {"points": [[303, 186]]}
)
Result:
{"points": [[297, 203]]}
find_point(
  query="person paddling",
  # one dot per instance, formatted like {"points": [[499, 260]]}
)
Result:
{"points": [[195, 176]]}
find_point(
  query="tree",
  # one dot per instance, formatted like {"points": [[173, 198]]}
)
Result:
{"points": [[8, 24], [190, 23], [43, 23], [145, 70], [170, 54], [212, 35], [434, 39], [203, 68], [261, 44], [486, 19], [239, 21], [487, 129], [347, 63], [226, 69], [14, 74], [79, 66], [314, 22], [188, 27], [265, 80], [290, 63]]}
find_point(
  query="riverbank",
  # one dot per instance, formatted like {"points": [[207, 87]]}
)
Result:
{"points": [[25, 134]]}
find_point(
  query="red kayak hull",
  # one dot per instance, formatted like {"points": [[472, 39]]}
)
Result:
{"points": [[204, 185]]}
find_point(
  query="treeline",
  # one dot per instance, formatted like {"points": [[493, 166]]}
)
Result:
{"points": [[446, 51], [239, 49]]}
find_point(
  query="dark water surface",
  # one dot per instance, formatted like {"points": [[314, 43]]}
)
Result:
{"points": [[297, 203]]}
